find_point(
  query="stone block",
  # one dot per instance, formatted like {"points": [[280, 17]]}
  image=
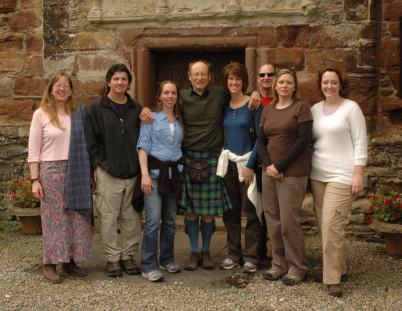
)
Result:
{"points": [[11, 64], [308, 87], [361, 206], [10, 43], [16, 109], [367, 54], [29, 86], [7, 6], [128, 37], [94, 63], [24, 21], [389, 103], [318, 59], [390, 53], [394, 77], [337, 36], [392, 10], [34, 42], [369, 31], [88, 88], [286, 35], [6, 87], [31, 4], [34, 66], [94, 41], [356, 10], [267, 37], [394, 28], [308, 37], [286, 57]]}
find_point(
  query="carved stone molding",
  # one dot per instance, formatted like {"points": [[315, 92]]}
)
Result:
{"points": [[155, 13]]}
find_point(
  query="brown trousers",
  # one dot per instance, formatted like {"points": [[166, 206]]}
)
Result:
{"points": [[232, 220], [282, 203], [332, 206]]}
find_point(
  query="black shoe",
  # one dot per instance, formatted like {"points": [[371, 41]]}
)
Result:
{"points": [[344, 277]]}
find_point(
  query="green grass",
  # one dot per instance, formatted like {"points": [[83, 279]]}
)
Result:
{"points": [[9, 226]]}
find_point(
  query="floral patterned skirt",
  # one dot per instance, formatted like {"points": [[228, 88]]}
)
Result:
{"points": [[66, 234]]}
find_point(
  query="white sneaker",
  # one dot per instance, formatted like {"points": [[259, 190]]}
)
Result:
{"points": [[153, 276], [228, 264], [249, 267], [171, 267]]}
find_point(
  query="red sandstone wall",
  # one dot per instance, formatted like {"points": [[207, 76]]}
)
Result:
{"points": [[390, 102]]}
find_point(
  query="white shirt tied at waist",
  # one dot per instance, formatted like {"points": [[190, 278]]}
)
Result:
{"points": [[252, 192]]}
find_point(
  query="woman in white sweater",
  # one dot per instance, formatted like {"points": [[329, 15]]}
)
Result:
{"points": [[339, 157]]}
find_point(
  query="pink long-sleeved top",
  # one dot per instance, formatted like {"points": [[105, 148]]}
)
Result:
{"points": [[46, 141]]}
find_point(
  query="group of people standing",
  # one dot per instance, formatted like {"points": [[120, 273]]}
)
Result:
{"points": [[207, 150]]}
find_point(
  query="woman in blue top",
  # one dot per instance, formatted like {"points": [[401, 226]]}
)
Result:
{"points": [[239, 158], [159, 152]]}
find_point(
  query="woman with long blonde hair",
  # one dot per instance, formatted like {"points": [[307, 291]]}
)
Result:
{"points": [[60, 174]]}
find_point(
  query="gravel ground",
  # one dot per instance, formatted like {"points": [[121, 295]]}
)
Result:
{"points": [[375, 283]]}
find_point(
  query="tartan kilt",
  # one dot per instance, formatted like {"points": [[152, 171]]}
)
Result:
{"points": [[207, 198]]}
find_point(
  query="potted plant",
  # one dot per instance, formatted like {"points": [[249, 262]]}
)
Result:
{"points": [[385, 216], [24, 205]]}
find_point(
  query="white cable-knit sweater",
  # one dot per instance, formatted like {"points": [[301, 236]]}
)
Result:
{"points": [[340, 142]]}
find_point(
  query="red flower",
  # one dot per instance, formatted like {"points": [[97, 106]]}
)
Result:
{"points": [[369, 219], [372, 209], [386, 202]]}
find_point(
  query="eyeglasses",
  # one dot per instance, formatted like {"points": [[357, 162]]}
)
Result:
{"points": [[61, 86], [263, 74]]}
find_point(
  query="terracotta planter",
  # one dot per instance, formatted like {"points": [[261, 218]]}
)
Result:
{"points": [[29, 217], [392, 234]]}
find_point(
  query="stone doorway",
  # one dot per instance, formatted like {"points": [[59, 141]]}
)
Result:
{"points": [[157, 60], [174, 65]]}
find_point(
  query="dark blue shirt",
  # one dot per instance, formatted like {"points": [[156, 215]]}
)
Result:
{"points": [[237, 131]]}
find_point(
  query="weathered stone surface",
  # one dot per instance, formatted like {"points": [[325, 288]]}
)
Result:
{"points": [[94, 41], [34, 43], [268, 37], [89, 87], [24, 21], [16, 109], [394, 29], [6, 87], [308, 87], [390, 103], [286, 57], [31, 4], [318, 59], [10, 43], [337, 36], [94, 64], [390, 54], [392, 10], [11, 64], [28, 86], [363, 90], [369, 31], [34, 66], [7, 6], [356, 10]]}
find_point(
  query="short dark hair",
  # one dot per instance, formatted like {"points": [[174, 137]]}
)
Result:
{"points": [[238, 70], [344, 83], [112, 70]]}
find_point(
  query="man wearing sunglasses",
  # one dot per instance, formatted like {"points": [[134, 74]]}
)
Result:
{"points": [[265, 76]]}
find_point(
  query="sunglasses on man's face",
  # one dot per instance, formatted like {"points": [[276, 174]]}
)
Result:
{"points": [[263, 74]]}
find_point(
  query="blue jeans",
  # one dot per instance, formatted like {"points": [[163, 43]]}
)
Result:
{"points": [[157, 207]]}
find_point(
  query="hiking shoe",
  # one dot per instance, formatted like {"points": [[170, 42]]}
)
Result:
{"points": [[129, 267], [50, 274], [289, 281], [249, 267], [207, 262], [344, 278], [72, 269], [272, 276], [171, 267], [113, 269], [153, 276], [335, 290], [228, 264], [193, 262]]}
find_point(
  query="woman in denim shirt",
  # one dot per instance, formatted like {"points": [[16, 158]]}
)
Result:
{"points": [[159, 151]]}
